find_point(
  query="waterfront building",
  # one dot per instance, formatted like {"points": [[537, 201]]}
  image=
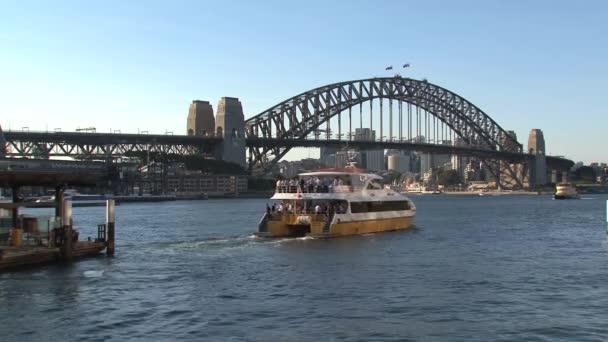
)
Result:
{"points": [[195, 183]]}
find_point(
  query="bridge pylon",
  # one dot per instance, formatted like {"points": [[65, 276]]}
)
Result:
{"points": [[230, 126]]}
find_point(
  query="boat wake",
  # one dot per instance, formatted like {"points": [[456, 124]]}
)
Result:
{"points": [[224, 243], [93, 274]]}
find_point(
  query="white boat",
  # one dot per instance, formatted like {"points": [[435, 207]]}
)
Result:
{"points": [[415, 188], [565, 191], [83, 200], [335, 202]]}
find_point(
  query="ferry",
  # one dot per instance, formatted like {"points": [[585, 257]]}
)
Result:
{"points": [[78, 199], [335, 202], [565, 191], [415, 188]]}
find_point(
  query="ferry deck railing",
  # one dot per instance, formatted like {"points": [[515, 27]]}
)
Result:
{"points": [[316, 189]]}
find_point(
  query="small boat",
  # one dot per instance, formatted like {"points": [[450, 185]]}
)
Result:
{"points": [[335, 202], [83, 200], [565, 191]]}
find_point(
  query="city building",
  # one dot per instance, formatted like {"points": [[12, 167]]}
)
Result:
{"points": [[399, 163], [369, 159], [341, 159], [325, 154]]}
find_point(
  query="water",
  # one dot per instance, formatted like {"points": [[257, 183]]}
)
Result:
{"points": [[476, 268]]}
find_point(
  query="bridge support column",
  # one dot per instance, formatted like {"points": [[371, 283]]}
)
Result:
{"points": [[230, 125], [538, 166]]}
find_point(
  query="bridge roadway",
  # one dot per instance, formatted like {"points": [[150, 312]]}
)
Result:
{"points": [[98, 145]]}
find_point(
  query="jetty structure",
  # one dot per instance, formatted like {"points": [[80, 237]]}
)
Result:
{"points": [[27, 240]]}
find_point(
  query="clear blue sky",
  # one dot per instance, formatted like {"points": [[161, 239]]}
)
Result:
{"points": [[138, 64]]}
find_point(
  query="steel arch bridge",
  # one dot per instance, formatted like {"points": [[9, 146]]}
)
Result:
{"points": [[424, 113]]}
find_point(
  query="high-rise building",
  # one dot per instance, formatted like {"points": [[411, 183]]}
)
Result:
{"points": [[375, 160], [341, 159], [370, 159], [399, 163], [200, 119], [325, 153]]}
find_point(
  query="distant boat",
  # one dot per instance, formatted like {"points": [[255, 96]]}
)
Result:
{"points": [[565, 191], [415, 188]]}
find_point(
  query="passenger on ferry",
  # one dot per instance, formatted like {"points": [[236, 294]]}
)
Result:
{"points": [[317, 209]]}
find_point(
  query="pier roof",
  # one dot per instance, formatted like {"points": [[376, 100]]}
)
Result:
{"points": [[36, 172]]}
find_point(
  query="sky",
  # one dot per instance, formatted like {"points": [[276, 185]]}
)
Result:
{"points": [[137, 65]]}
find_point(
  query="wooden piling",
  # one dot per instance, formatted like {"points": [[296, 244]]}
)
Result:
{"points": [[15, 213], [66, 222], [58, 201], [16, 229], [110, 227]]}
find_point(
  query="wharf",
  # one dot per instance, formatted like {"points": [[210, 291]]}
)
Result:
{"points": [[14, 258], [27, 240]]}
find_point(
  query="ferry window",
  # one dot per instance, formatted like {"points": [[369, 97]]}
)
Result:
{"points": [[358, 207], [366, 207], [374, 185]]}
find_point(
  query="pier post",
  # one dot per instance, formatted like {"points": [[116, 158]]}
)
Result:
{"points": [[58, 201], [66, 222], [16, 229], [110, 227]]}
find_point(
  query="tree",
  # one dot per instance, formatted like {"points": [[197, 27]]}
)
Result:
{"points": [[585, 174], [449, 177]]}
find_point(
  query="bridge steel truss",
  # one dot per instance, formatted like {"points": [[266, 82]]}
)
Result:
{"points": [[303, 115], [101, 146]]}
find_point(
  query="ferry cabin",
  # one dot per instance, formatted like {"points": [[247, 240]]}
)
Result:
{"points": [[335, 203]]}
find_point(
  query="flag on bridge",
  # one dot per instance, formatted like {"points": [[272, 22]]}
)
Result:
{"points": [[406, 65], [390, 67]]}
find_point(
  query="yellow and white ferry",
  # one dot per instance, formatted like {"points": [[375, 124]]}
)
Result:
{"points": [[335, 202], [565, 191]]}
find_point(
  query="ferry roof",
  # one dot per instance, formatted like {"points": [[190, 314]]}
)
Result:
{"points": [[340, 173]]}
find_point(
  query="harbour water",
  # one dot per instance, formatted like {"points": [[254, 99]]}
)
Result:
{"points": [[475, 269]]}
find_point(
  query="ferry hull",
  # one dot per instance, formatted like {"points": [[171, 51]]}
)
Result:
{"points": [[366, 227], [564, 197], [318, 229]]}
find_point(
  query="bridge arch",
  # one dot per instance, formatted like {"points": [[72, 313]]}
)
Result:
{"points": [[304, 114]]}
